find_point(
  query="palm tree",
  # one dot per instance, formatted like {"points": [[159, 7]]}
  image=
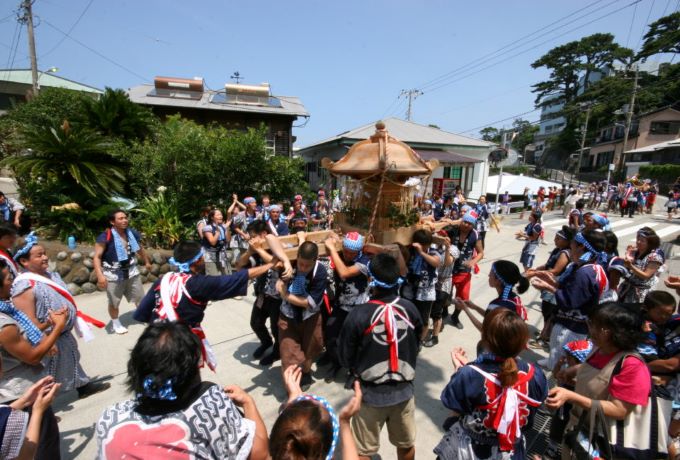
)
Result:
{"points": [[73, 157], [115, 115]]}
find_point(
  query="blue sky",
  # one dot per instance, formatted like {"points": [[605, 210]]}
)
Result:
{"points": [[346, 60]]}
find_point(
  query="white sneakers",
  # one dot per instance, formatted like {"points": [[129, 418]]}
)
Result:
{"points": [[117, 327]]}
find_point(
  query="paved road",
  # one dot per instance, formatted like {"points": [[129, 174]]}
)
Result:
{"points": [[227, 326]]}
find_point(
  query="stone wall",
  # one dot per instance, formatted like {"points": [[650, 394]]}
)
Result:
{"points": [[77, 268]]}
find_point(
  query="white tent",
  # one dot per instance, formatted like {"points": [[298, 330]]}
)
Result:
{"points": [[515, 185]]}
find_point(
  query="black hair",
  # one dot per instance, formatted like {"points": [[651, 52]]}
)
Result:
{"points": [[257, 226], [510, 273], [186, 250], [308, 251], [2, 193], [385, 268], [653, 240], [623, 320], [112, 215], [3, 265], [611, 242], [580, 203], [423, 237], [655, 299], [211, 214], [596, 238], [7, 229], [166, 350], [569, 232]]}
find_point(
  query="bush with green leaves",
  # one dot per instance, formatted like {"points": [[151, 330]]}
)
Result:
{"points": [[158, 218]]}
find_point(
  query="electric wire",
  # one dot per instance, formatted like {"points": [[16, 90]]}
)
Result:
{"points": [[92, 50], [68, 33]]}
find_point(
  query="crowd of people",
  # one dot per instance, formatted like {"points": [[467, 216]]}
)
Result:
{"points": [[363, 313]]}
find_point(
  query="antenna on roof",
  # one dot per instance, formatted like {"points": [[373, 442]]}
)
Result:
{"points": [[237, 76]]}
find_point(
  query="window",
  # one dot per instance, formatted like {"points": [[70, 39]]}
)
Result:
{"points": [[453, 172], [665, 127], [604, 158]]}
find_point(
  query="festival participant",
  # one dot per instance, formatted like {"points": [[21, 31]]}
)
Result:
{"points": [[11, 210], [552, 195], [482, 210], [672, 202], [576, 215], [504, 275], [651, 198], [214, 242], [464, 237], [644, 263], [421, 277], [629, 200], [267, 298], [577, 290], [115, 264], [239, 224], [494, 397], [184, 296], [443, 289], [558, 260], [308, 427], [22, 422], [426, 211], [298, 223], [351, 289], [8, 237], [37, 292], [300, 331], [445, 210], [263, 209], [174, 414], [615, 331], [505, 200], [570, 200], [277, 225], [595, 221], [526, 202], [379, 344], [532, 234], [321, 215], [202, 221], [22, 346]]}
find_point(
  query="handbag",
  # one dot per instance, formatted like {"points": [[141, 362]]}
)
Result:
{"points": [[643, 434], [594, 444]]}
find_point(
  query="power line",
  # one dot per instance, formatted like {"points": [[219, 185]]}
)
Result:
{"points": [[454, 71], [14, 46], [111, 61], [630, 29], [499, 121], [608, 14], [69, 31]]}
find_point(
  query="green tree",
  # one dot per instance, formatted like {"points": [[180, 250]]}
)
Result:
{"points": [[115, 115], [206, 164], [663, 36], [74, 157], [491, 134], [525, 134]]}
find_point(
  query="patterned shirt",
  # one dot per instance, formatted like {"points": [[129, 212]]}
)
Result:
{"points": [[210, 428]]}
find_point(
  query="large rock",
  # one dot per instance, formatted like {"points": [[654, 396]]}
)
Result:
{"points": [[143, 270], [88, 263], [79, 275], [62, 255], [155, 269], [88, 288], [157, 258], [64, 268], [74, 289], [91, 255], [151, 278], [93, 277], [76, 256], [165, 268]]}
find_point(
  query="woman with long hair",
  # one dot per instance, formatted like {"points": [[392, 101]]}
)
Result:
{"points": [[644, 262], [479, 393], [214, 241]]}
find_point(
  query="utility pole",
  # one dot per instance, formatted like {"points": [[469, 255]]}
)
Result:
{"points": [[412, 94], [629, 118], [583, 138], [27, 18]]}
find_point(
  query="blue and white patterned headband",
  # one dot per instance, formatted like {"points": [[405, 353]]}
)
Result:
{"points": [[185, 267], [353, 241], [507, 287], [375, 282], [30, 241], [590, 251], [334, 419]]}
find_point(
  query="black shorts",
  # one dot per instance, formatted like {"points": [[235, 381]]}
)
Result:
{"points": [[442, 301]]}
